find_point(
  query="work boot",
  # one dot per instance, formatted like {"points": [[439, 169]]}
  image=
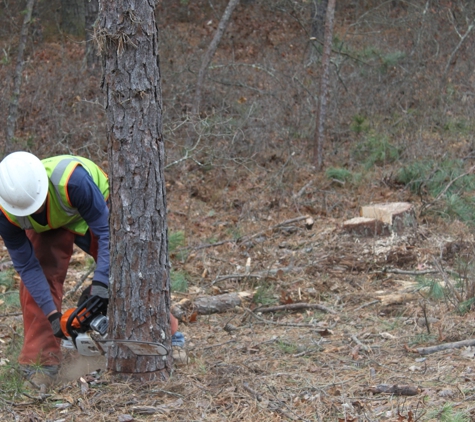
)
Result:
{"points": [[39, 377]]}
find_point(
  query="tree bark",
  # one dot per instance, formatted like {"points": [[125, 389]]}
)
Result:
{"points": [[91, 10], [15, 96], [72, 17], [140, 272], [324, 81], [319, 11], [223, 24]]}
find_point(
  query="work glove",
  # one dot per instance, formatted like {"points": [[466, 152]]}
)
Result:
{"points": [[95, 289], [55, 321]]}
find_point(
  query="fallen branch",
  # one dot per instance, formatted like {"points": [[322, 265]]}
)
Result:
{"points": [[365, 305], [283, 324], [398, 390], [205, 305], [253, 393], [407, 272], [444, 346], [294, 307], [80, 282], [470, 171], [248, 237], [358, 342], [260, 274]]}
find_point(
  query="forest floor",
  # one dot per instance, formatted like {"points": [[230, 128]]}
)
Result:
{"points": [[356, 361]]}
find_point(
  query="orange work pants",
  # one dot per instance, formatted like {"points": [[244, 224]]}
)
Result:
{"points": [[53, 249]]}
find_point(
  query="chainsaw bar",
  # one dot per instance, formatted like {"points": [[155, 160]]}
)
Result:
{"points": [[140, 348]]}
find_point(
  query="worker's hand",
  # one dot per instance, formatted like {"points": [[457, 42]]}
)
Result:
{"points": [[55, 321], [95, 289]]}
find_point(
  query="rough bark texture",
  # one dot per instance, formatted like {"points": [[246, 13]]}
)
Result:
{"points": [[91, 8], [140, 296]]}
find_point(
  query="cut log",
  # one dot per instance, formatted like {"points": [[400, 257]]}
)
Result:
{"points": [[397, 216], [363, 226], [205, 305]]}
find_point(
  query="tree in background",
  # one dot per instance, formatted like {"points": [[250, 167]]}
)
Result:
{"points": [[72, 17], [140, 279], [15, 95], [91, 11], [319, 10], [322, 98]]}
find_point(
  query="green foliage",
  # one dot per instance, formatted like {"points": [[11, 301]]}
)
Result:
{"points": [[288, 348], [446, 178], [391, 59], [447, 414], [11, 378], [176, 239], [460, 294], [434, 288], [458, 126], [386, 60], [339, 173], [10, 298], [359, 124], [375, 150], [178, 282], [264, 295]]}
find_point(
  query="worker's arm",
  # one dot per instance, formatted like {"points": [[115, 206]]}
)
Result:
{"points": [[88, 199], [26, 264]]}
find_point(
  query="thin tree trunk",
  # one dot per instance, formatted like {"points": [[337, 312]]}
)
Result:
{"points": [[140, 281], [324, 82], [223, 24], [91, 8], [72, 17], [15, 96], [319, 10]]}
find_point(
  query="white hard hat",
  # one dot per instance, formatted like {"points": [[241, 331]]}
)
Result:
{"points": [[23, 183]]}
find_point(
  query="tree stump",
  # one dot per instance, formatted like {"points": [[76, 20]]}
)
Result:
{"points": [[397, 215], [364, 226], [382, 219]]}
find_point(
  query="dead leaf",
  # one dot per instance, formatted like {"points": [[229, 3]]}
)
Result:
{"points": [[285, 298]]}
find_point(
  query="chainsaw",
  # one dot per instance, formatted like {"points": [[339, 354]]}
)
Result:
{"points": [[85, 328]]}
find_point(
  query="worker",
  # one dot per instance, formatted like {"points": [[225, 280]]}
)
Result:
{"points": [[48, 206]]}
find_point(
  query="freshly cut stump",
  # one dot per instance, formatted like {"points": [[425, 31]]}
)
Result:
{"points": [[397, 215], [363, 226], [382, 219]]}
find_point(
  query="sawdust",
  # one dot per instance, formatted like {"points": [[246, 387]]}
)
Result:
{"points": [[75, 366]]}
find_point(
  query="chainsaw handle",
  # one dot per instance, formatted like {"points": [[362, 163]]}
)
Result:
{"points": [[80, 319]]}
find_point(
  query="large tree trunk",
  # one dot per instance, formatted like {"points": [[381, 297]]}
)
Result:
{"points": [[91, 9], [72, 17], [140, 283]]}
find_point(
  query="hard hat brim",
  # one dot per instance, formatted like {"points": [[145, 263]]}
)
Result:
{"points": [[43, 183]]}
